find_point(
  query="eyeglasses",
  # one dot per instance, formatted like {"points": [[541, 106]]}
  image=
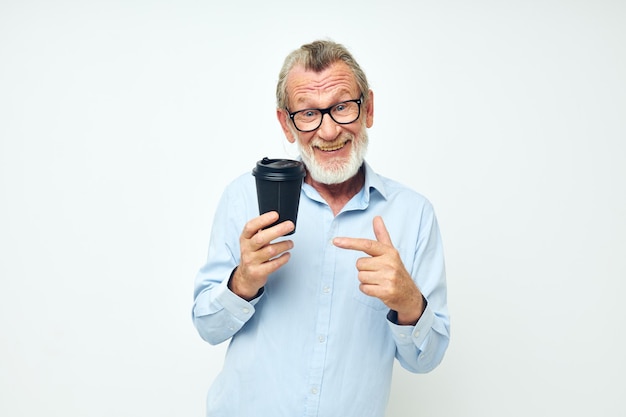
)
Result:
{"points": [[343, 113]]}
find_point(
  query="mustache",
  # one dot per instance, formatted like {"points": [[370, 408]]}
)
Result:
{"points": [[320, 143]]}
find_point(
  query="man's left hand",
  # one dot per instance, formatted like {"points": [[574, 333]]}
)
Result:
{"points": [[383, 274]]}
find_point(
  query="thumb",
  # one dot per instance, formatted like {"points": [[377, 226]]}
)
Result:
{"points": [[382, 235]]}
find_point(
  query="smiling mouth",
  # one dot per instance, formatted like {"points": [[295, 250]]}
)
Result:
{"points": [[331, 148]]}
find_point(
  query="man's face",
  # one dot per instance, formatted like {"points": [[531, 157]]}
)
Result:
{"points": [[333, 153]]}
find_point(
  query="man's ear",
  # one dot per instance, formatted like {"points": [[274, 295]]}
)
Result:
{"points": [[283, 119], [369, 111]]}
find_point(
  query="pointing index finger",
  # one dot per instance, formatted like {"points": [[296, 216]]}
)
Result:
{"points": [[371, 247]]}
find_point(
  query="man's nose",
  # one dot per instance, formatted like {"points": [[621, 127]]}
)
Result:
{"points": [[329, 129]]}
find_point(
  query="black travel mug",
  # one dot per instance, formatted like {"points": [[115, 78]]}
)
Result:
{"points": [[278, 184]]}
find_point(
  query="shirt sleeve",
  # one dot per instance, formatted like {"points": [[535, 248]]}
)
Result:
{"points": [[217, 312], [420, 348]]}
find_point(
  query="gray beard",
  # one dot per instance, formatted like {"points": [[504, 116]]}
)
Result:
{"points": [[336, 172]]}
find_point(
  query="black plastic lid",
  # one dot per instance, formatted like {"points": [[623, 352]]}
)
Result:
{"points": [[279, 169]]}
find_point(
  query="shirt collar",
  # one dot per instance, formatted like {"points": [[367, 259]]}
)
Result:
{"points": [[373, 182]]}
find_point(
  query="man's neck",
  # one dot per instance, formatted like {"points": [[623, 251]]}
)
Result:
{"points": [[338, 195]]}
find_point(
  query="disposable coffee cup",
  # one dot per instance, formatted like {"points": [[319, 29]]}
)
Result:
{"points": [[278, 184]]}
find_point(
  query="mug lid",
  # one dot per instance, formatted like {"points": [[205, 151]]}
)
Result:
{"points": [[279, 169]]}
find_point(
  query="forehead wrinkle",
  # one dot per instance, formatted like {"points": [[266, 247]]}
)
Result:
{"points": [[331, 83]]}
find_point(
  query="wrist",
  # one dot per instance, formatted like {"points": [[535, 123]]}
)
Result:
{"points": [[411, 317], [235, 285]]}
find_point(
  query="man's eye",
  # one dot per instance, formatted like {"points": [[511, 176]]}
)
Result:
{"points": [[340, 107]]}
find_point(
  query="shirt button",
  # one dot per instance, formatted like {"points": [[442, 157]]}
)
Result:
{"points": [[246, 310], [416, 333], [321, 338], [314, 391], [402, 335], [326, 289]]}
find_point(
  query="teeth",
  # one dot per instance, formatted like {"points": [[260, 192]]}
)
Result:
{"points": [[332, 148]]}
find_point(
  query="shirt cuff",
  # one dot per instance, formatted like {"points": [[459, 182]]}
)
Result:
{"points": [[235, 305], [416, 334]]}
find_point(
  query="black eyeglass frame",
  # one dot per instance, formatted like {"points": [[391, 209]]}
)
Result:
{"points": [[327, 110]]}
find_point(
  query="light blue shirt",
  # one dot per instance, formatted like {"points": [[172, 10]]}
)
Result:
{"points": [[312, 344]]}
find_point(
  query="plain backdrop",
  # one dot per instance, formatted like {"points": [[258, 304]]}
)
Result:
{"points": [[122, 121]]}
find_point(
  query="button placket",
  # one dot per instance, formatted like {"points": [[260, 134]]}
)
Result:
{"points": [[327, 272]]}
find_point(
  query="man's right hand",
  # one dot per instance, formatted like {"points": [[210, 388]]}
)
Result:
{"points": [[260, 257]]}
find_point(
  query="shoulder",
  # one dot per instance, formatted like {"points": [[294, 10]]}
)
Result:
{"points": [[396, 191], [243, 183], [241, 191]]}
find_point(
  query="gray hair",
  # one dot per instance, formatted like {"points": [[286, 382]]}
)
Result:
{"points": [[317, 56]]}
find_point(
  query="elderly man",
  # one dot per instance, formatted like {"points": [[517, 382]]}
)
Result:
{"points": [[315, 319]]}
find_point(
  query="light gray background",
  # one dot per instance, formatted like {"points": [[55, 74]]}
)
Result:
{"points": [[122, 121]]}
